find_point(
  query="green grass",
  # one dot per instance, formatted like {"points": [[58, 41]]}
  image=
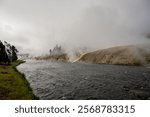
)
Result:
{"points": [[13, 85]]}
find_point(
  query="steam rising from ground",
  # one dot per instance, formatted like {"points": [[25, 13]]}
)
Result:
{"points": [[127, 55], [36, 26]]}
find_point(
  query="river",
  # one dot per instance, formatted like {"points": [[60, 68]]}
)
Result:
{"points": [[60, 80]]}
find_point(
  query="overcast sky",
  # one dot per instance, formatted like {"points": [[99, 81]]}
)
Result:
{"points": [[35, 26]]}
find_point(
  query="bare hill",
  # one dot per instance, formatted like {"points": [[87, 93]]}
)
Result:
{"points": [[127, 55]]}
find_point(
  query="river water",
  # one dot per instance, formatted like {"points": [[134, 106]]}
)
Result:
{"points": [[59, 80]]}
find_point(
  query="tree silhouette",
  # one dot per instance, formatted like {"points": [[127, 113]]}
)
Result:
{"points": [[57, 50], [8, 53], [3, 54], [14, 53]]}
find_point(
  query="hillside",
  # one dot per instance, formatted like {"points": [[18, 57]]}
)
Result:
{"points": [[126, 55]]}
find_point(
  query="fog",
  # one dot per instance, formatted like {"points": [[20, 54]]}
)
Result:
{"points": [[35, 26]]}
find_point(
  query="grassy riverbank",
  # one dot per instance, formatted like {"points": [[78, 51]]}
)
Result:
{"points": [[13, 85]]}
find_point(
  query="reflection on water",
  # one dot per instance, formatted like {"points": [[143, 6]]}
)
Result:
{"points": [[58, 80]]}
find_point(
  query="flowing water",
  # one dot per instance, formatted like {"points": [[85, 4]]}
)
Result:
{"points": [[60, 80]]}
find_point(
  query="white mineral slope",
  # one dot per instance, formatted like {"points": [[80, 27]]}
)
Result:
{"points": [[126, 55]]}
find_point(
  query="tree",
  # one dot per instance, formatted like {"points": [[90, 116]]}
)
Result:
{"points": [[3, 54], [14, 53], [11, 51], [8, 50], [8, 53], [57, 50]]}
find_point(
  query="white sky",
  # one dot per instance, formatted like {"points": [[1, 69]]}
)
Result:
{"points": [[35, 26]]}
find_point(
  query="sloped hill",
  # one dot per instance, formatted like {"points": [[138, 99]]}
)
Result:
{"points": [[126, 55]]}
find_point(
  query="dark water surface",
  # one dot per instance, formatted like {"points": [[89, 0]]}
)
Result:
{"points": [[58, 80]]}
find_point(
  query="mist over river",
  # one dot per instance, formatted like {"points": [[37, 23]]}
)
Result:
{"points": [[60, 80]]}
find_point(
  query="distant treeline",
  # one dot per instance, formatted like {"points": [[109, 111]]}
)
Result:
{"points": [[59, 53], [8, 53], [56, 54], [57, 50]]}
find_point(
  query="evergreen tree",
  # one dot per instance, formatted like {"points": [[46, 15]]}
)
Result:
{"points": [[8, 50], [3, 54], [11, 51], [14, 53], [8, 53], [57, 50]]}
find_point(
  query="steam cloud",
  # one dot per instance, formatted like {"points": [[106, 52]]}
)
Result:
{"points": [[35, 26]]}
